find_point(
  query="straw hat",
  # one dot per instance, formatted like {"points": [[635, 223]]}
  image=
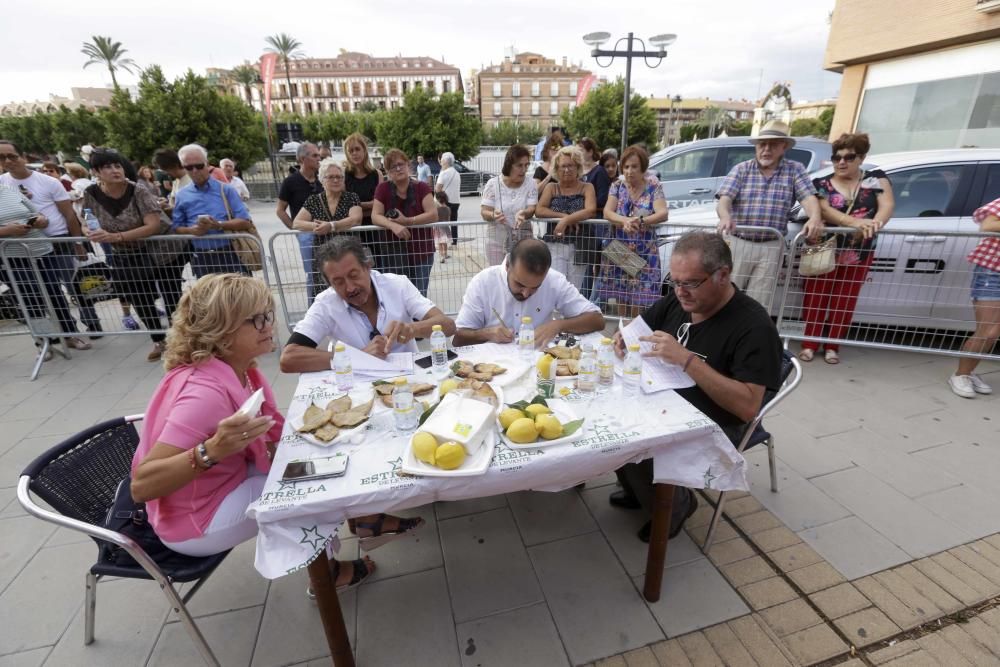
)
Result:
{"points": [[774, 129]]}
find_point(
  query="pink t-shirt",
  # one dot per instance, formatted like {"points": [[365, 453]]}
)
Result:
{"points": [[186, 410]]}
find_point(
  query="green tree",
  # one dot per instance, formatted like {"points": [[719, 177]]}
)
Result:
{"points": [[104, 51], [692, 130], [287, 48], [507, 133], [825, 123], [430, 125], [805, 127], [740, 128], [247, 76], [72, 129], [600, 118], [181, 112]]}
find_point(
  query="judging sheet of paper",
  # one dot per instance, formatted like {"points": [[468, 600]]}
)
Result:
{"points": [[366, 365], [657, 374]]}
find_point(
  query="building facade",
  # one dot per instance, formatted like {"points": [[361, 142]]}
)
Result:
{"points": [[349, 82], [673, 113], [917, 74], [527, 88], [91, 99]]}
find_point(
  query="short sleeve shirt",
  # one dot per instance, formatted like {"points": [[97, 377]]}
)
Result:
{"points": [[331, 317], [319, 208], [44, 192], [509, 200], [421, 238], [864, 204], [451, 181], [764, 201], [739, 341], [641, 205], [121, 215], [206, 199], [295, 189], [489, 291], [987, 252]]}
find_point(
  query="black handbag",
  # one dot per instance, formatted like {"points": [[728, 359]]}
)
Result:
{"points": [[129, 518]]}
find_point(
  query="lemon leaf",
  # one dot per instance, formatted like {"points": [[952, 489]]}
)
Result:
{"points": [[569, 428], [520, 405], [538, 400], [427, 413]]}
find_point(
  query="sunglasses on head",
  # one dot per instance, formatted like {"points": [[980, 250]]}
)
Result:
{"points": [[846, 157], [192, 167]]}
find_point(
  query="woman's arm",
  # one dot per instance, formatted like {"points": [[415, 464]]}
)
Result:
{"points": [[589, 209], [378, 218], [353, 219], [660, 213], [990, 224], [886, 204], [429, 215], [542, 210], [610, 212], [303, 222]]}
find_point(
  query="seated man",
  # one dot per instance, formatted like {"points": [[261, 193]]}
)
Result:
{"points": [[723, 339], [374, 312], [523, 285]]}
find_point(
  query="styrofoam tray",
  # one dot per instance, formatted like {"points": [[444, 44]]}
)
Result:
{"points": [[563, 411], [516, 368], [477, 464]]}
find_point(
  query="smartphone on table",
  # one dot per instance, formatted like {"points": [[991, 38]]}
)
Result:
{"points": [[301, 470], [426, 362]]}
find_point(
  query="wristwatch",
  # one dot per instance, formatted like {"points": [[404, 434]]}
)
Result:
{"points": [[641, 221]]}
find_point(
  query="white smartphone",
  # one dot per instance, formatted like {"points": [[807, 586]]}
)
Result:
{"points": [[301, 470], [251, 406]]}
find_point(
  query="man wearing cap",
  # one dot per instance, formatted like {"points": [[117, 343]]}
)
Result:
{"points": [[760, 193]]}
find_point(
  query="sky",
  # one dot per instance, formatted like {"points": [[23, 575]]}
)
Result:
{"points": [[736, 52]]}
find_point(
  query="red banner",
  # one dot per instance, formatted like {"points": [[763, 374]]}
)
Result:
{"points": [[583, 88], [267, 63]]}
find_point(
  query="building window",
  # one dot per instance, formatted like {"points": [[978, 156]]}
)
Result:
{"points": [[381, 104], [309, 107], [393, 88], [535, 88], [305, 90], [430, 85], [496, 89], [553, 108], [497, 109], [406, 87], [393, 104], [343, 89], [446, 86], [572, 88], [355, 89], [345, 106], [368, 88], [554, 89], [331, 90], [515, 89], [516, 110], [282, 90], [572, 105], [357, 106], [380, 87]]}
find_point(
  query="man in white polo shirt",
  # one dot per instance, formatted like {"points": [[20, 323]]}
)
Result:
{"points": [[375, 312], [524, 285]]}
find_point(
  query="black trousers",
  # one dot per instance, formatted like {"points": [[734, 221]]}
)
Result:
{"points": [[637, 480], [454, 217], [140, 282]]}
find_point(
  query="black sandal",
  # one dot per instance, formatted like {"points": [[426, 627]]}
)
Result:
{"points": [[378, 536], [360, 573]]}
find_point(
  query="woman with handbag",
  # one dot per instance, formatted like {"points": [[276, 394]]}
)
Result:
{"points": [[509, 202], [571, 201], [630, 260], [127, 215], [361, 177], [854, 198], [327, 213]]}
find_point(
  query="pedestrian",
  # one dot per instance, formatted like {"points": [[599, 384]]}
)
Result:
{"points": [[166, 160], [423, 170], [572, 201], [544, 174], [441, 236], [449, 181], [52, 169], [295, 189], [593, 233], [509, 202], [609, 160], [361, 178], [146, 181], [760, 192], [229, 169]]}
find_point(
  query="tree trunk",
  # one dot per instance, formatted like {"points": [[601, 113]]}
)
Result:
{"points": [[288, 81], [114, 81]]}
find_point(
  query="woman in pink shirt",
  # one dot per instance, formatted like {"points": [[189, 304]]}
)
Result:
{"points": [[199, 464]]}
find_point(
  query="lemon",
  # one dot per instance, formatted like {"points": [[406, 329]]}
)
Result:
{"points": [[544, 365], [548, 426], [536, 409], [424, 446], [522, 430], [509, 415], [449, 456], [451, 384]]}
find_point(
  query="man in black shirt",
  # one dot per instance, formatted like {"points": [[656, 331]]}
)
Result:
{"points": [[295, 189], [722, 338]]}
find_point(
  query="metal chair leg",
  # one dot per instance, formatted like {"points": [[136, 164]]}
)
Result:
{"points": [[771, 464], [199, 639], [710, 535], [89, 609]]}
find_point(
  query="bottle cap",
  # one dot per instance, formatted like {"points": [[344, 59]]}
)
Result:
{"points": [[634, 347], [605, 341], [436, 327], [339, 348], [525, 320], [399, 381]]}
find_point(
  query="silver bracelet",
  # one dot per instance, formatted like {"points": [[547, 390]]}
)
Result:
{"points": [[203, 455]]}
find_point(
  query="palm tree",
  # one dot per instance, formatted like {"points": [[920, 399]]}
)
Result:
{"points": [[247, 76], [713, 117], [103, 51], [287, 47]]}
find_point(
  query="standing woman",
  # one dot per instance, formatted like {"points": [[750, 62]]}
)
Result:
{"points": [[127, 214], [361, 178], [571, 200], [588, 250], [850, 197], [609, 160], [509, 202], [327, 213], [147, 181], [400, 203], [635, 205], [544, 174], [449, 181]]}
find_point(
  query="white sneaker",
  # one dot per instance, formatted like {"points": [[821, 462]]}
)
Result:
{"points": [[962, 385], [978, 385]]}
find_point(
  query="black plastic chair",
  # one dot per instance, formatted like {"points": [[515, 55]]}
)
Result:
{"points": [[754, 434], [78, 478]]}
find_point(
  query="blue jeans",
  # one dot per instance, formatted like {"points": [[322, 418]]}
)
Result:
{"points": [[62, 265], [420, 272], [306, 250], [34, 302], [222, 260]]}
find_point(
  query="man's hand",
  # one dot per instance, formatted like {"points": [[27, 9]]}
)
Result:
{"points": [[726, 225], [376, 347], [400, 231], [813, 228], [498, 334], [547, 331], [666, 347], [15, 231], [398, 332], [619, 344]]}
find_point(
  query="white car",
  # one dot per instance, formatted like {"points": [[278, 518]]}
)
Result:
{"points": [[920, 276]]}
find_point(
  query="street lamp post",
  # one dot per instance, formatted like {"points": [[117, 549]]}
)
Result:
{"points": [[661, 42]]}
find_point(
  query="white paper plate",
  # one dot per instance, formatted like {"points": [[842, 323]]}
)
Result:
{"points": [[564, 412], [359, 396], [431, 397], [477, 464], [515, 369]]}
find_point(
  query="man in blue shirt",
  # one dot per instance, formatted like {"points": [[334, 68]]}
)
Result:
{"points": [[207, 210]]}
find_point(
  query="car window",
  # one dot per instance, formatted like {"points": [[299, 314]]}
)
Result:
{"points": [[690, 164], [925, 192], [461, 168], [737, 154], [803, 157], [992, 190]]}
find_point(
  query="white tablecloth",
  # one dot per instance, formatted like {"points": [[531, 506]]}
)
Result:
{"points": [[297, 520]]}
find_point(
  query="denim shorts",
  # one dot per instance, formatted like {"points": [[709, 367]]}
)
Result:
{"points": [[985, 284]]}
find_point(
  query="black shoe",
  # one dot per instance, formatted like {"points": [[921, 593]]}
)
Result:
{"points": [[675, 529], [625, 500], [94, 332]]}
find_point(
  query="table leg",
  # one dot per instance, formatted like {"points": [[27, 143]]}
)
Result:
{"points": [[329, 610], [656, 557]]}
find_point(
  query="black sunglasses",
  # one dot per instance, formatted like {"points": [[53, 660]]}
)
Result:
{"points": [[846, 157], [192, 167]]}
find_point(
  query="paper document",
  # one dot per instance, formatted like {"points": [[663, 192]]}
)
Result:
{"points": [[364, 364], [657, 374]]}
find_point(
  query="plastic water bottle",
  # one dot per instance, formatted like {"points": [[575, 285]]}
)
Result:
{"points": [[403, 412], [586, 380], [342, 368], [439, 351], [526, 339], [632, 372], [605, 365], [91, 220]]}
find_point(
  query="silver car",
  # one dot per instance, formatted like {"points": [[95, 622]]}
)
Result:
{"points": [[692, 172]]}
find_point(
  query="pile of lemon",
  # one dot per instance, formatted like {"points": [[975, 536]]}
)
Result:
{"points": [[527, 425], [447, 455]]}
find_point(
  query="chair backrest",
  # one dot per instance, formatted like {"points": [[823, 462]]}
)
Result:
{"points": [[78, 477], [791, 375]]}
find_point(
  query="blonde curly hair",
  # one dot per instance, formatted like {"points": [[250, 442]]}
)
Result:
{"points": [[209, 314]]}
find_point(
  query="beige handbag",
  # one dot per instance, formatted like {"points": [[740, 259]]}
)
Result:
{"points": [[819, 259], [624, 258]]}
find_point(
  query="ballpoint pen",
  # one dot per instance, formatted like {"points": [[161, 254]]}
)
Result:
{"points": [[500, 320]]}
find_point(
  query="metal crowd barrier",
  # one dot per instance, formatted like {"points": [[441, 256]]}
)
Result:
{"points": [[914, 295], [62, 292]]}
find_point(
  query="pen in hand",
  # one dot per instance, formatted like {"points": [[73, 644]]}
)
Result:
{"points": [[500, 320]]}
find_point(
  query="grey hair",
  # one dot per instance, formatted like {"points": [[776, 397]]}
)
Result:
{"points": [[193, 148], [303, 150], [448, 157], [713, 249], [223, 161], [326, 164], [339, 247]]}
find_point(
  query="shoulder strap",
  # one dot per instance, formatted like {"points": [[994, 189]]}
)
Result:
{"points": [[225, 200]]}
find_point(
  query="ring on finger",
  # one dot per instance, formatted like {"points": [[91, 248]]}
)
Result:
{"points": [[245, 435]]}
